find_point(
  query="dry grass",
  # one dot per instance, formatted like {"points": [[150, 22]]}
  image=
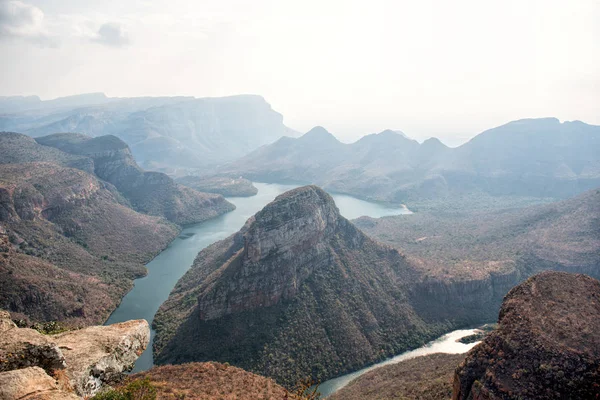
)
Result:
{"points": [[211, 380], [424, 378]]}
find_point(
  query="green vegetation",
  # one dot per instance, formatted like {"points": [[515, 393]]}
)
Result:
{"points": [[478, 336]]}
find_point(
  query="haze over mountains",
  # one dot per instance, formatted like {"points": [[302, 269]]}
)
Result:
{"points": [[299, 290], [535, 157], [163, 132]]}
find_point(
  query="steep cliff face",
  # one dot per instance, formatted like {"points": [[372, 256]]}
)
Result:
{"points": [[298, 291], [152, 193], [546, 345]]}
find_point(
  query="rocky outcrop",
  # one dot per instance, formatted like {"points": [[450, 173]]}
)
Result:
{"points": [[32, 383], [99, 355], [298, 291], [546, 346], [83, 360], [22, 347], [292, 230]]}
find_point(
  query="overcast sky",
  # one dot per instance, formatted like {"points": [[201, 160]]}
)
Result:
{"points": [[429, 68]]}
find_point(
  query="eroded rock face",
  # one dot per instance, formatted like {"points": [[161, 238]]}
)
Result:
{"points": [[31, 383], [546, 346], [100, 354], [286, 242], [88, 358]]}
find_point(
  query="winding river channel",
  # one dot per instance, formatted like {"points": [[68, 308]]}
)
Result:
{"points": [[164, 270]]}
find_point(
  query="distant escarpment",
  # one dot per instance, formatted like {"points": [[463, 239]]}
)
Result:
{"points": [[299, 291], [69, 247], [165, 133], [541, 158], [229, 187], [152, 193], [546, 346]]}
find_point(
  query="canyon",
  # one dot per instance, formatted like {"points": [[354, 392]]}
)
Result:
{"points": [[77, 226]]}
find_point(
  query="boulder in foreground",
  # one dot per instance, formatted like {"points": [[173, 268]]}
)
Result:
{"points": [[82, 360]]}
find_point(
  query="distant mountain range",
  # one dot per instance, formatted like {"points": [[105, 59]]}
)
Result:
{"points": [[533, 157], [168, 133]]}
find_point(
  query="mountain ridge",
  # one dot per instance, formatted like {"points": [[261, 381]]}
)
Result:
{"points": [[531, 157], [171, 134]]}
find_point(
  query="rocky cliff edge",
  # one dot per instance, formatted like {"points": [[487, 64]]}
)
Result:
{"points": [[69, 364]]}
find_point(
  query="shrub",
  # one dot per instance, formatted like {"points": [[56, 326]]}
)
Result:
{"points": [[139, 389]]}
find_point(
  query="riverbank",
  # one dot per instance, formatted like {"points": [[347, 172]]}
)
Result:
{"points": [[448, 343], [169, 266]]}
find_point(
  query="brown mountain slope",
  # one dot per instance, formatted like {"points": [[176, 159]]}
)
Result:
{"points": [[152, 193], [72, 248], [422, 378], [211, 380], [17, 148], [298, 291], [546, 346]]}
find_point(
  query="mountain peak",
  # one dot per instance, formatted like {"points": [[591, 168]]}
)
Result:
{"points": [[387, 138], [434, 142], [297, 218], [393, 133], [319, 134]]}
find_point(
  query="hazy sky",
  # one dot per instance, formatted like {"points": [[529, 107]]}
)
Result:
{"points": [[429, 68]]}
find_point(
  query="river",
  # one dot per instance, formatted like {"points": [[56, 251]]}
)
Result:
{"points": [[445, 344], [165, 269]]}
